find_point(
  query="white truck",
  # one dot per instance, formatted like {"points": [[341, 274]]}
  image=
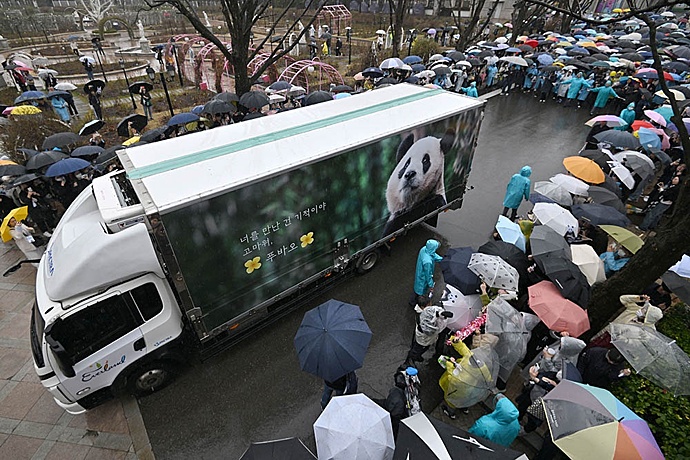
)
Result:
{"points": [[206, 237]]}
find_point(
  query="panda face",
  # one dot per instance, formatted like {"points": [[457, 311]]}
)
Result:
{"points": [[418, 171]]}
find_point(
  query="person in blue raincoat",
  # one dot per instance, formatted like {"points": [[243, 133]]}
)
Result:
{"points": [[424, 272], [60, 108], [500, 426], [604, 93], [491, 71], [576, 85], [517, 189], [530, 76], [627, 114], [471, 90], [584, 92], [614, 259]]}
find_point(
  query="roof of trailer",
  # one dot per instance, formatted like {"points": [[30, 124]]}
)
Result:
{"points": [[171, 173]]}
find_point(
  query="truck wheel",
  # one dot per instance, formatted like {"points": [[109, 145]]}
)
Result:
{"points": [[367, 261], [150, 377]]}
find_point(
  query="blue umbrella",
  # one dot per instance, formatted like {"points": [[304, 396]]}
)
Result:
{"points": [[373, 72], [87, 150], [183, 119], [29, 96], [513, 50], [412, 60], [416, 68], [666, 111], [280, 85], [332, 340], [198, 109], [649, 139], [536, 197], [66, 166], [456, 273], [599, 214], [545, 59], [510, 232]]}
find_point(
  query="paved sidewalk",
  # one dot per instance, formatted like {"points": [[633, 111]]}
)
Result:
{"points": [[32, 426]]}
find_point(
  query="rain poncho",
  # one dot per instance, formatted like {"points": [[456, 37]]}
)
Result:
{"points": [[628, 114], [575, 85], [612, 263], [424, 273], [530, 76], [491, 71], [60, 108], [647, 315], [501, 426], [430, 325], [517, 188], [603, 95], [471, 90]]}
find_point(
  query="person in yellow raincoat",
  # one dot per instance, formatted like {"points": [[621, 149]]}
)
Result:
{"points": [[470, 378]]}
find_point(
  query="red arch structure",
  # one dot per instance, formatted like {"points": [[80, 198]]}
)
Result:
{"points": [[300, 72], [260, 58]]}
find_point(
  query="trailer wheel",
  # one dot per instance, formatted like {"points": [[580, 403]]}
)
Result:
{"points": [[151, 377], [367, 261]]}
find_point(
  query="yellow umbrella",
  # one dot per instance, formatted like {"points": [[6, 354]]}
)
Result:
{"points": [[585, 169], [25, 110], [625, 237], [617, 10], [585, 44], [7, 162], [17, 213], [131, 140]]}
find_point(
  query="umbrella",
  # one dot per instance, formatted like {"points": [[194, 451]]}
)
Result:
{"points": [[63, 94], [442, 70], [545, 60], [22, 110], [655, 117], [545, 240], [25, 179], [611, 121], [59, 140], [606, 197], [280, 449], [28, 153], [554, 192], [637, 124], [456, 56], [10, 168], [342, 89], [317, 97], [280, 85], [653, 355], [511, 254], [622, 139], [94, 84], [677, 94], [424, 438], [227, 97], [640, 163], [65, 86], [649, 138], [87, 58], [91, 127], [590, 422], [623, 174], [589, 263], [465, 308], [599, 214], [135, 87], [412, 59], [131, 141], [332, 340], [44, 159], [456, 273], [517, 60], [566, 277], [624, 237], [571, 184], [19, 214], [678, 284], [372, 72], [556, 217], [495, 271], [29, 96], [584, 168], [108, 154], [510, 232], [87, 151], [216, 106], [353, 426], [391, 63], [599, 157], [138, 121], [558, 313], [66, 166], [254, 99]]}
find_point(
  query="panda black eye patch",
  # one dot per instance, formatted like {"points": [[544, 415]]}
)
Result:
{"points": [[426, 163], [402, 170]]}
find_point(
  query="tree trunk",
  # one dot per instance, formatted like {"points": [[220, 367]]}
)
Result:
{"points": [[518, 17], [400, 11]]}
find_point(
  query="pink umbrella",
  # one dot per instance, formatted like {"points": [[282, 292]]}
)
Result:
{"points": [[558, 313], [655, 117], [665, 140], [611, 121], [19, 63], [8, 110]]}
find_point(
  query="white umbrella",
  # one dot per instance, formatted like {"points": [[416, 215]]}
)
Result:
{"points": [[353, 426], [677, 94], [554, 191], [276, 98], [555, 217], [657, 117], [465, 308], [87, 58], [682, 267], [435, 57], [638, 162], [571, 184], [296, 91], [623, 174], [668, 14], [65, 86], [380, 32], [42, 72], [588, 262], [426, 74], [517, 60], [495, 271], [463, 63], [391, 63]]}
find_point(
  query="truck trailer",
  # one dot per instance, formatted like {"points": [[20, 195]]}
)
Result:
{"points": [[205, 238]]}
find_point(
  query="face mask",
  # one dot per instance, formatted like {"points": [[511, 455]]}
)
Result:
{"points": [[621, 253]]}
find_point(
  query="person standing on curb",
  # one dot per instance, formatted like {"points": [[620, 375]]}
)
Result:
{"points": [[146, 102], [424, 271], [517, 189]]}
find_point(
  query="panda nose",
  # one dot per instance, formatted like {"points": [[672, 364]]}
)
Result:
{"points": [[410, 174]]}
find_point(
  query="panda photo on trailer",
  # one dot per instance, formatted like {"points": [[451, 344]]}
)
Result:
{"points": [[416, 185]]}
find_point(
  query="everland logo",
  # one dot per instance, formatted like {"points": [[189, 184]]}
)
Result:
{"points": [[101, 369]]}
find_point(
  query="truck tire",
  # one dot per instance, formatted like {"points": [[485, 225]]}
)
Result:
{"points": [[151, 377], [367, 261]]}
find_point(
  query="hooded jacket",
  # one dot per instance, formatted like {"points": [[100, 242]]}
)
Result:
{"points": [[629, 315], [576, 85], [628, 114], [501, 426], [517, 188], [603, 95], [424, 273]]}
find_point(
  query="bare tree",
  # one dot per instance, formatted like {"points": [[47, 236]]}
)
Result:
{"points": [[97, 9], [398, 9], [240, 16], [470, 30], [670, 242]]}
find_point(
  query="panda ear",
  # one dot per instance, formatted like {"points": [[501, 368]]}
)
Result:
{"points": [[404, 147], [447, 141]]}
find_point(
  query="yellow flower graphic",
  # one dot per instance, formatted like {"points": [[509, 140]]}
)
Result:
{"points": [[253, 264], [307, 239]]}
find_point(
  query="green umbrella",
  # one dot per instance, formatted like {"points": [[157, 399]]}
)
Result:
{"points": [[626, 238]]}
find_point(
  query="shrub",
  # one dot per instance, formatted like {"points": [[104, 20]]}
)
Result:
{"points": [[425, 48]]}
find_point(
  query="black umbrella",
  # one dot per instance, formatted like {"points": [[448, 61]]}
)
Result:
{"points": [[139, 122], [456, 273], [599, 157], [512, 255], [632, 57], [28, 153], [280, 449], [44, 159], [91, 127], [550, 68], [545, 240], [29, 96], [254, 99], [135, 87], [87, 151], [474, 61], [108, 154], [227, 97], [442, 70], [59, 140], [606, 197], [280, 85], [372, 72], [566, 276], [12, 169], [456, 56], [386, 81], [156, 134], [94, 84], [599, 214], [317, 97], [622, 139], [485, 54], [342, 89], [25, 179], [677, 67], [679, 285], [216, 106], [62, 94]]}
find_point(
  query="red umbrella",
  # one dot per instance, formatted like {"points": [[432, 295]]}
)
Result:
{"points": [[558, 313], [637, 124], [532, 43]]}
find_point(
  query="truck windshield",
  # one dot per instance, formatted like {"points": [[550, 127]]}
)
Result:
{"points": [[37, 325]]}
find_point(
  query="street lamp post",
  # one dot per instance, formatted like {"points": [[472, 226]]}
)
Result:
{"points": [[348, 34], [122, 66], [152, 75], [177, 63], [410, 39], [97, 51]]}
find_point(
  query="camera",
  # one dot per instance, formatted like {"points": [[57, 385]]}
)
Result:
{"points": [[447, 314]]}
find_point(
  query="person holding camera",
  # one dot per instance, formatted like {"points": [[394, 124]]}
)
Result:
{"points": [[432, 321]]}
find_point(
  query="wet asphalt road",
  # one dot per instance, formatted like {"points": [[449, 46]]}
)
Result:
{"points": [[256, 392]]}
